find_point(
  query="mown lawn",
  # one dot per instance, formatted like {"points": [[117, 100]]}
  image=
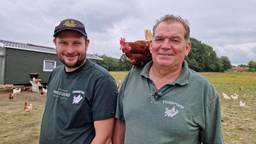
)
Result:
{"points": [[239, 123]]}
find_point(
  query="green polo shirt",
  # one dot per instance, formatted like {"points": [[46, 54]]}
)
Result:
{"points": [[186, 111], [74, 101]]}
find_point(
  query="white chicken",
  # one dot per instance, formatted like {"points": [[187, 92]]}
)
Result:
{"points": [[225, 96], [234, 96], [16, 91], [242, 104], [35, 85], [44, 90]]}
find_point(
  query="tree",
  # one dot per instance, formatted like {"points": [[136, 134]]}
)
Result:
{"points": [[202, 57], [115, 64], [243, 65], [124, 64], [109, 63], [252, 66], [226, 63]]}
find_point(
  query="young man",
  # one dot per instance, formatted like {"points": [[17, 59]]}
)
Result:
{"points": [[81, 96], [165, 102]]}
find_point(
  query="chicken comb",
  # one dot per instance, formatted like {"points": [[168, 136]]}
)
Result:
{"points": [[148, 35], [122, 41]]}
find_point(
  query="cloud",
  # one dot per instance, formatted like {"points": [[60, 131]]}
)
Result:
{"points": [[239, 53], [228, 26]]}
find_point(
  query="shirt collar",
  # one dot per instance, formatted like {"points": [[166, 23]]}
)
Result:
{"points": [[145, 70], [182, 80]]}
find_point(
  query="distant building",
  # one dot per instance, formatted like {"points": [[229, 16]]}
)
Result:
{"points": [[239, 69], [20, 61]]}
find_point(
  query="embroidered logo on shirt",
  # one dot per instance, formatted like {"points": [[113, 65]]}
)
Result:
{"points": [[77, 99], [171, 112]]}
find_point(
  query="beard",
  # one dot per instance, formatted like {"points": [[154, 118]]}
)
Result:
{"points": [[75, 64]]}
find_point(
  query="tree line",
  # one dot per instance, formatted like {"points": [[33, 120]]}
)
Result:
{"points": [[202, 58]]}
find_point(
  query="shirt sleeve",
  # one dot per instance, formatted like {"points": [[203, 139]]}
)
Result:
{"points": [[104, 100], [212, 133]]}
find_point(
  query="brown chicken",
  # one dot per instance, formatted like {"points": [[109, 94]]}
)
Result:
{"points": [[137, 52], [11, 96], [27, 106]]}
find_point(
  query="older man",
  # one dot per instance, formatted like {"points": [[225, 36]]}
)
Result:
{"points": [[165, 102]]}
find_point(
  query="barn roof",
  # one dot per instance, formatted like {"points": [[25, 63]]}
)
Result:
{"points": [[36, 48]]}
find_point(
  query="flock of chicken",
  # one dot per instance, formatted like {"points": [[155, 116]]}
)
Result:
{"points": [[36, 87], [234, 96], [27, 105]]}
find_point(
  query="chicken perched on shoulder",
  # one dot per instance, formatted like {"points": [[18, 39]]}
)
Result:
{"points": [[137, 52]]}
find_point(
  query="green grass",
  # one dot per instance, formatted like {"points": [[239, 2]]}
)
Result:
{"points": [[239, 123], [119, 75], [17, 126]]}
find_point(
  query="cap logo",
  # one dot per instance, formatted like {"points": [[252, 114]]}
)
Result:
{"points": [[69, 23]]}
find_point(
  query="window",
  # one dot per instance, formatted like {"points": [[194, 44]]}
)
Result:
{"points": [[49, 65]]}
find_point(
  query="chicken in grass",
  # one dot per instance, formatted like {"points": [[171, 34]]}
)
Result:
{"points": [[16, 91], [11, 97], [27, 106], [137, 52]]}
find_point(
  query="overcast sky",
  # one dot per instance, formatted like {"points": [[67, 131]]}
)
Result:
{"points": [[229, 26]]}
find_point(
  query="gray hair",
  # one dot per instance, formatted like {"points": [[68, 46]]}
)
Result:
{"points": [[170, 19]]}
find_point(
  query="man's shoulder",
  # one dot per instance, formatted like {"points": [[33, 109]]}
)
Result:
{"points": [[134, 72], [58, 69], [97, 70], [199, 81], [197, 77]]}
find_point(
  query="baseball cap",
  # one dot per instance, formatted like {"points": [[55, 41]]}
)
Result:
{"points": [[70, 24]]}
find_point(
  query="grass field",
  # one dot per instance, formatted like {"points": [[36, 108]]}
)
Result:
{"points": [[239, 123]]}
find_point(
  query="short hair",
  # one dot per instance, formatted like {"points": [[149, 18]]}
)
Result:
{"points": [[171, 19]]}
